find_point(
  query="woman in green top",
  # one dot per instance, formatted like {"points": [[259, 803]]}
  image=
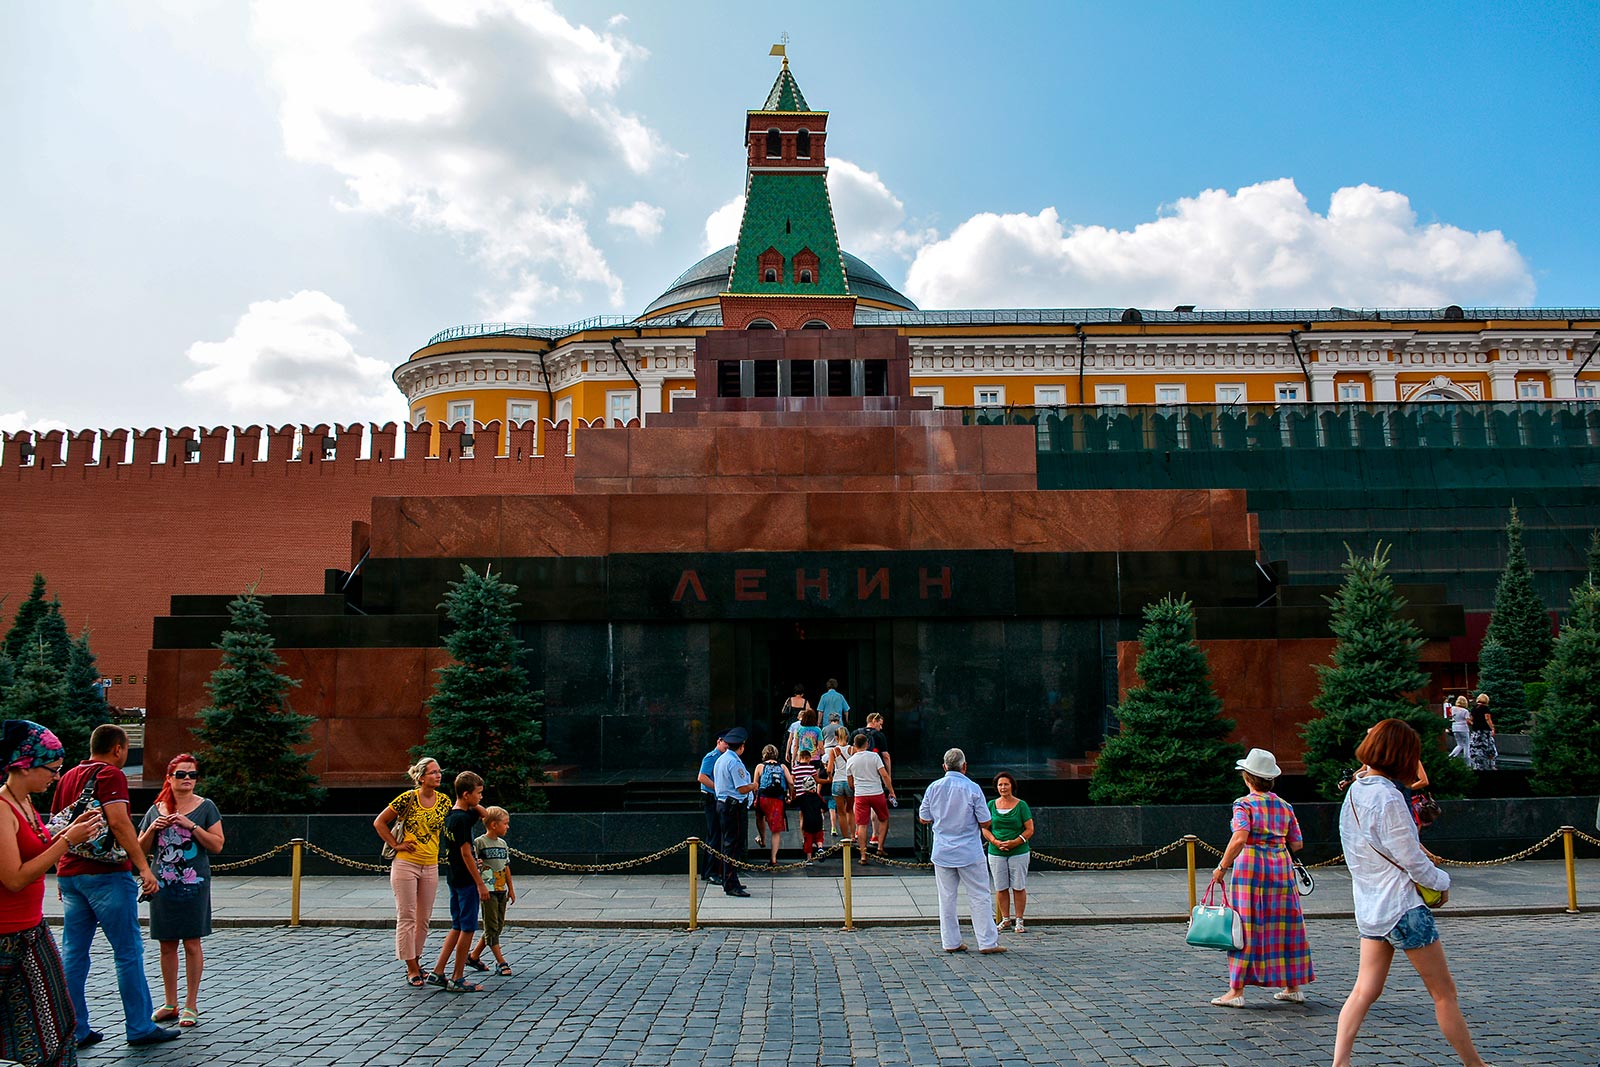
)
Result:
{"points": [[1010, 827]]}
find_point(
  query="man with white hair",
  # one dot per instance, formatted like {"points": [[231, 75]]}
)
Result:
{"points": [[955, 808]]}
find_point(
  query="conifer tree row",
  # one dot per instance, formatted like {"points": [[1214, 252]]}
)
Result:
{"points": [[1521, 626], [49, 677], [1566, 735]]}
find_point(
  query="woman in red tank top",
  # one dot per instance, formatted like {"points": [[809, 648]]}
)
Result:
{"points": [[37, 1028]]}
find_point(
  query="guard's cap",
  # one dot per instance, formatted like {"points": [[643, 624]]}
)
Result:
{"points": [[736, 736]]}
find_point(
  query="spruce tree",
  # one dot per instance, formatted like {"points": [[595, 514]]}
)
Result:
{"points": [[16, 644], [1374, 669], [1172, 747], [248, 734], [1566, 734], [37, 695], [1591, 559], [484, 714], [1520, 623], [83, 704], [1497, 676]]}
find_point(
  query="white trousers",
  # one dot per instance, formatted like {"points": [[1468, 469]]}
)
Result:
{"points": [[974, 877], [1463, 743]]}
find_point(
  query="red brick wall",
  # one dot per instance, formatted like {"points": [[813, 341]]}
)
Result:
{"points": [[116, 540]]}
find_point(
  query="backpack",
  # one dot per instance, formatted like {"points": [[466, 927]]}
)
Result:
{"points": [[102, 849], [772, 781]]}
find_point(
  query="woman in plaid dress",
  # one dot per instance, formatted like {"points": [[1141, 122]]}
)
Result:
{"points": [[1264, 832]]}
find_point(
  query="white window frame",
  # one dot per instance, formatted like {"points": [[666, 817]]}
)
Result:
{"points": [[675, 395], [1530, 390], [1352, 392], [1289, 392], [1049, 396], [1181, 398], [461, 411], [935, 392], [627, 400], [529, 401], [564, 410], [1224, 388], [419, 416], [1586, 390], [1111, 396], [998, 392]]}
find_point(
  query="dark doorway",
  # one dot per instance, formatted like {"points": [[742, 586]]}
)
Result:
{"points": [[808, 663]]}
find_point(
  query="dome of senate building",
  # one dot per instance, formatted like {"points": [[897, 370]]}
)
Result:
{"points": [[701, 283]]}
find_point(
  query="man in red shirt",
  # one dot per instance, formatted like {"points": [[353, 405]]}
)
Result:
{"points": [[102, 892]]}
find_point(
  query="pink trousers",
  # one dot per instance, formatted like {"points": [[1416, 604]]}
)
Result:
{"points": [[414, 886]]}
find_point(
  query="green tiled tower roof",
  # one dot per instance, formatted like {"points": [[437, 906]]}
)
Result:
{"points": [[788, 212], [786, 94]]}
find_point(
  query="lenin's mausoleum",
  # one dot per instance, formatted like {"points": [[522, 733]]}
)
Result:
{"points": [[783, 471]]}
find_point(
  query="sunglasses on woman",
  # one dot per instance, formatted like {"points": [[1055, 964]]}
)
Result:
{"points": [[186, 775]]}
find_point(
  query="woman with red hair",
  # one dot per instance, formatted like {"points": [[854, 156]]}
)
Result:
{"points": [[180, 833]]}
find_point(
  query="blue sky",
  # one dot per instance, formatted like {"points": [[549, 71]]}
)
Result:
{"points": [[222, 214]]}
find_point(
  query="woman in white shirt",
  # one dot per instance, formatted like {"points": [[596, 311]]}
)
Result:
{"points": [[1387, 863]]}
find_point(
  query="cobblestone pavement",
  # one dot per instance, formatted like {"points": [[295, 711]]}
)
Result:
{"points": [[1113, 994]]}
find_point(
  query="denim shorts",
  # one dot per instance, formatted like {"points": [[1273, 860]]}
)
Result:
{"points": [[1414, 930], [464, 908]]}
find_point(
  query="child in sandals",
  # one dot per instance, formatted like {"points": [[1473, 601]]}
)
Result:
{"points": [[494, 858], [467, 888]]}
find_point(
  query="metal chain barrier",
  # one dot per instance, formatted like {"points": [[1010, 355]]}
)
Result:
{"points": [[217, 868], [1595, 841], [745, 865], [600, 868], [1111, 865], [1524, 854], [374, 868]]}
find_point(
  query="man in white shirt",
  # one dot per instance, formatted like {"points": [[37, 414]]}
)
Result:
{"points": [[870, 780], [955, 808]]}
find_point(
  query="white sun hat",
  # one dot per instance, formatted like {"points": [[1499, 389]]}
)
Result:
{"points": [[1260, 763]]}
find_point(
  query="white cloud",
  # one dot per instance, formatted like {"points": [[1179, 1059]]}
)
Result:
{"points": [[487, 119], [616, 20], [722, 225], [293, 361], [870, 218], [642, 218], [1259, 247], [16, 421]]}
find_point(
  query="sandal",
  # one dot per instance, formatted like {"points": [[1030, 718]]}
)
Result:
{"points": [[476, 964], [435, 978], [505, 970], [461, 985], [188, 1017], [164, 1014], [416, 981]]}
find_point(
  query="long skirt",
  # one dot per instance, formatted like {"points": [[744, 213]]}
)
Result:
{"points": [[36, 1016], [1276, 952], [1484, 753]]}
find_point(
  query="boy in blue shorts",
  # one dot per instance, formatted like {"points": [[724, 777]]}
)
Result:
{"points": [[467, 890]]}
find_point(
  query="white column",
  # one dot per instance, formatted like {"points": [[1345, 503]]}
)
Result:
{"points": [[1564, 383], [1321, 384], [1384, 389], [1502, 383], [649, 399]]}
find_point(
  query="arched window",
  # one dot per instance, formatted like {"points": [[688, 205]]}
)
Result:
{"points": [[774, 144], [770, 275], [805, 277], [802, 144], [815, 324], [760, 324]]}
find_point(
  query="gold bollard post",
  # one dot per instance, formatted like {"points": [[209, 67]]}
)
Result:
{"points": [[694, 883], [1189, 851], [1572, 870], [297, 850], [849, 921]]}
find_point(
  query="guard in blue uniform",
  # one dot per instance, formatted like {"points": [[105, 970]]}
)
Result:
{"points": [[708, 796], [731, 780]]}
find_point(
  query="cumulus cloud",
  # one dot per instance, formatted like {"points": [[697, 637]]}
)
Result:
{"points": [[642, 218], [1262, 246], [871, 219], [16, 421], [486, 119], [293, 360]]}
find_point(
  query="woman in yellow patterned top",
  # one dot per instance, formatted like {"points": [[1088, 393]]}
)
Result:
{"points": [[410, 825]]}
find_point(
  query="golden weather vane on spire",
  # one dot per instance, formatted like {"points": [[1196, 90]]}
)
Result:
{"points": [[781, 49]]}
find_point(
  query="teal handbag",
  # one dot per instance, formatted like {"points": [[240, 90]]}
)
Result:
{"points": [[1216, 926]]}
